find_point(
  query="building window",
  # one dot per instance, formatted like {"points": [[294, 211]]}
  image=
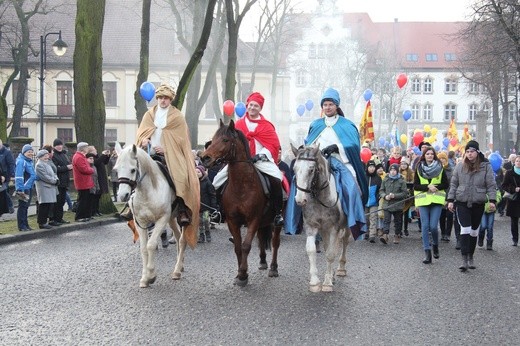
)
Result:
{"points": [[473, 88], [427, 112], [321, 51], [431, 57], [450, 56], [24, 132], [472, 113], [450, 112], [412, 57], [512, 112], [110, 93], [300, 78], [64, 134], [312, 51], [428, 85], [64, 98], [14, 87], [416, 85], [450, 86], [415, 112], [486, 108], [110, 135]]}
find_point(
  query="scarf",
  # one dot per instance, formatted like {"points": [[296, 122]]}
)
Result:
{"points": [[430, 171], [264, 133], [395, 177], [517, 170]]}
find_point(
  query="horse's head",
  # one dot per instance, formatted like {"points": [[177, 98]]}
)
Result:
{"points": [[227, 145], [128, 173], [309, 166]]}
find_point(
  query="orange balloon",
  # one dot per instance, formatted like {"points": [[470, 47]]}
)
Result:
{"points": [[401, 80]]}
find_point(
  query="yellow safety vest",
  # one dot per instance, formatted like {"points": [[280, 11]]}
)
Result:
{"points": [[426, 198]]}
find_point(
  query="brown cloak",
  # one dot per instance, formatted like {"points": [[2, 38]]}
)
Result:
{"points": [[175, 140]]}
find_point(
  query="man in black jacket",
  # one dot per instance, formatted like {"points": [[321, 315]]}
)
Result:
{"points": [[64, 167]]}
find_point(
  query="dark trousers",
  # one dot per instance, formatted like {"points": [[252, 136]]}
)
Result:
{"points": [[60, 202], [43, 212], [83, 210], [21, 214], [398, 221], [446, 222], [94, 198], [276, 194], [514, 228]]}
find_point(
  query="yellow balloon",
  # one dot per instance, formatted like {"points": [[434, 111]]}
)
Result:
{"points": [[404, 138], [434, 131], [427, 128]]}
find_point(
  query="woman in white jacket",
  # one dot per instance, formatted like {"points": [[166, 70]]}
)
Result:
{"points": [[46, 188]]}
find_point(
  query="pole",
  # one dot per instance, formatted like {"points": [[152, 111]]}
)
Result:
{"points": [[42, 79]]}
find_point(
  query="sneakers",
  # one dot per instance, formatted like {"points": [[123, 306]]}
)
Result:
{"points": [[208, 236], [372, 239], [397, 238], [45, 226], [480, 242], [384, 239], [54, 223]]}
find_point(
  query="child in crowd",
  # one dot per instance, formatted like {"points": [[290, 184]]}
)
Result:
{"points": [[393, 191], [374, 184], [395, 157], [208, 204], [95, 192], [487, 223]]}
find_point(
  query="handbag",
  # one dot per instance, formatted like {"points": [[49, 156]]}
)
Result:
{"points": [[511, 196]]}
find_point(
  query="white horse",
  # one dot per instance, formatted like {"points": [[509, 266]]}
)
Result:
{"points": [[322, 213], [143, 185]]}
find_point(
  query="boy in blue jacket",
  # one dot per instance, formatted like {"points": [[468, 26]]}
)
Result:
{"points": [[374, 184], [24, 180]]}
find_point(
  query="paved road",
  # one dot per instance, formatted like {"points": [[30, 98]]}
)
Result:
{"points": [[81, 288]]}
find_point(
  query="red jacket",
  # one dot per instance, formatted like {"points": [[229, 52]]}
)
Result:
{"points": [[82, 172]]}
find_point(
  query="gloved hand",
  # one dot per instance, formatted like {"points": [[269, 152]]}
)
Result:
{"points": [[57, 182], [260, 157], [331, 149]]}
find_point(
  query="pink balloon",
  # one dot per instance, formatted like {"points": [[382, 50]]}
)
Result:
{"points": [[229, 108], [401, 80], [418, 138]]}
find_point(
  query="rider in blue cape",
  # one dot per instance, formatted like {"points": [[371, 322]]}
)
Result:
{"points": [[338, 137]]}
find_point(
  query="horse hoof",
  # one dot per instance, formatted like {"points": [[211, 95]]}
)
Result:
{"points": [[273, 273], [315, 288], [143, 284], [326, 288], [240, 283], [152, 280], [341, 272], [263, 266], [176, 276]]}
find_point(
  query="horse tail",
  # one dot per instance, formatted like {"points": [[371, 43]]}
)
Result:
{"points": [[267, 236]]}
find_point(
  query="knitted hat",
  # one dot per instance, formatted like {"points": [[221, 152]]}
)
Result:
{"points": [[422, 144], [201, 169], [394, 166], [57, 142], [165, 90], [473, 145], [41, 153], [330, 95], [26, 148], [405, 160], [81, 145], [257, 97], [442, 155], [371, 163]]}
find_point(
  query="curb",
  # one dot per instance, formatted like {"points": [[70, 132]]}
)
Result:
{"points": [[43, 233]]}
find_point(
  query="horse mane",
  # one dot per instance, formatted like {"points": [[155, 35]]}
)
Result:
{"points": [[226, 130], [148, 165], [310, 152]]}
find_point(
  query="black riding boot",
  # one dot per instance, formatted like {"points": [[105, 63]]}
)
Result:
{"points": [[465, 250], [182, 218], [472, 246], [277, 198]]}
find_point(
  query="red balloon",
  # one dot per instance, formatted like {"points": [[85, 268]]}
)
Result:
{"points": [[401, 80], [229, 108], [453, 141], [365, 154], [418, 138]]}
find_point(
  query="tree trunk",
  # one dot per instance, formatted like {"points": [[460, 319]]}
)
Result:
{"points": [[144, 57], [88, 84], [3, 119]]}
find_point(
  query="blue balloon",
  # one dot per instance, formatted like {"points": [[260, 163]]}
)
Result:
{"points": [[240, 109], [496, 161], [367, 95], [407, 114], [382, 141], [147, 91], [417, 151], [309, 104], [300, 110], [446, 142], [437, 148]]}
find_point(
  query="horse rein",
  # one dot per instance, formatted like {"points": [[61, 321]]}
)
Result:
{"points": [[313, 191]]}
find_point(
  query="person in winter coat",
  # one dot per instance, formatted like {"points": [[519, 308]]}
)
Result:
{"points": [[430, 184], [95, 192], [374, 184], [446, 219], [407, 174], [45, 188], [393, 191], [100, 162], [208, 204], [511, 184], [83, 182], [472, 185], [395, 157], [7, 166], [24, 181], [487, 224], [112, 174], [64, 168]]}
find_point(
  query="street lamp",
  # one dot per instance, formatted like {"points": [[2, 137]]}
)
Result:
{"points": [[59, 47]]}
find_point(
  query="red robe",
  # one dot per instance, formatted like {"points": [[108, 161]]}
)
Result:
{"points": [[265, 133]]}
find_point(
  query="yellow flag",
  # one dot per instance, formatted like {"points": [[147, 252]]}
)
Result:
{"points": [[366, 128]]}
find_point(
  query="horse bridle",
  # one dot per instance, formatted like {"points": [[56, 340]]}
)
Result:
{"points": [[315, 189], [231, 154], [130, 182]]}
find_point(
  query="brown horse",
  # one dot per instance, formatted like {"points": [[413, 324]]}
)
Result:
{"points": [[243, 199]]}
